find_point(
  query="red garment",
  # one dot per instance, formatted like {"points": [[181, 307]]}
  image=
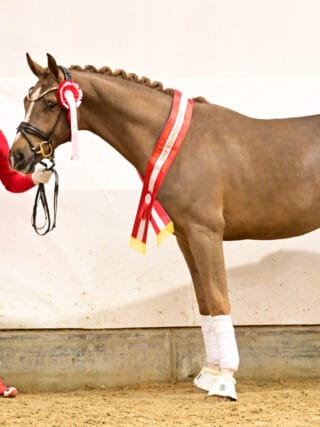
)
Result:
{"points": [[13, 181]]}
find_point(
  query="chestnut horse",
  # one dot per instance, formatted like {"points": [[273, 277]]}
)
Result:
{"points": [[235, 177]]}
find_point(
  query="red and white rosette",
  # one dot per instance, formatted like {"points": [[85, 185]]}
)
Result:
{"points": [[70, 97]]}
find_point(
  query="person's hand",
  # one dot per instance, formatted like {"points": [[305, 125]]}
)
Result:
{"points": [[41, 176]]}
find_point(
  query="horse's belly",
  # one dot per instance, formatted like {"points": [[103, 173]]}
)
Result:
{"points": [[260, 218], [270, 227], [264, 234]]}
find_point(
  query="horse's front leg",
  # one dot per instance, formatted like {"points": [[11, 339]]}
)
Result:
{"points": [[207, 249]]}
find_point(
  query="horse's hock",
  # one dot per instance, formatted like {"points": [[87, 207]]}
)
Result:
{"points": [[55, 360]]}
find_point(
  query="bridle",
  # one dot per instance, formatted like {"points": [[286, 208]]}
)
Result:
{"points": [[46, 150]]}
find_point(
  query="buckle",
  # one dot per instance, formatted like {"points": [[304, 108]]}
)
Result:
{"points": [[41, 149]]}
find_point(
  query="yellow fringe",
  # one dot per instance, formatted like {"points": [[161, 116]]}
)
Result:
{"points": [[142, 247], [166, 232], [138, 245]]}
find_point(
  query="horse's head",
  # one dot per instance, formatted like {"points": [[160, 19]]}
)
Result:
{"points": [[45, 125]]}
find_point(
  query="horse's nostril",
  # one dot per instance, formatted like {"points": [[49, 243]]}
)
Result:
{"points": [[16, 158]]}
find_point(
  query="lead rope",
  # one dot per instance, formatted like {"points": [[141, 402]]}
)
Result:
{"points": [[41, 197]]}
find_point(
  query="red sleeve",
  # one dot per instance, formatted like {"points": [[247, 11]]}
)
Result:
{"points": [[13, 181]]}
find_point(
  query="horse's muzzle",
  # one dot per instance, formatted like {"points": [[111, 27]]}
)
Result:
{"points": [[22, 160]]}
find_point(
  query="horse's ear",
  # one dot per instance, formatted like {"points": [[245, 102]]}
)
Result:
{"points": [[53, 67], [34, 67]]}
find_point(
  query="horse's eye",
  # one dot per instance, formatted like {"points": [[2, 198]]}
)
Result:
{"points": [[51, 105]]}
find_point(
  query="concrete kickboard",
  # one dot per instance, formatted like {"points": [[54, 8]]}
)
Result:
{"points": [[55, 360]]}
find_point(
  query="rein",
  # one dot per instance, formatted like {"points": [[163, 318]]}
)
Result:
{"points": [[41, 197]]}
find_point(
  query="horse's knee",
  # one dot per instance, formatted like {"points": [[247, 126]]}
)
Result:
{"points": [[217, 300]]}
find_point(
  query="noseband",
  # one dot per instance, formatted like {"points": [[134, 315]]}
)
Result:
{"points": [[45, 148]]}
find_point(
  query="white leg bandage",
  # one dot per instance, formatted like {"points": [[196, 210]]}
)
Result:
{"points": [[222, 352], [209, 339], [226, 342]]}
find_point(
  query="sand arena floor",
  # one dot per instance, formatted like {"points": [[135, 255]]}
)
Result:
{"points": [[260, 404]]}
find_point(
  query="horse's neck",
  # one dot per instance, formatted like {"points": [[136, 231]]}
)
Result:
{"points": [[127, 115]]}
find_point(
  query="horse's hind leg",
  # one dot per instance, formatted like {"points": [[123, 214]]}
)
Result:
{"points": [[206, 247]]}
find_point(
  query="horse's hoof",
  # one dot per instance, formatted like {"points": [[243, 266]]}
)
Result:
{"points": [[224, 386], [206, 379]]}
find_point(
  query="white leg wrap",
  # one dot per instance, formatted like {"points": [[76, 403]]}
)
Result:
{"points": [[226, 342], [209, 338], [221, 348]]}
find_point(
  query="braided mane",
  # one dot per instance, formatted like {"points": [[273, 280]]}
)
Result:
{"points": [[131, 77]]}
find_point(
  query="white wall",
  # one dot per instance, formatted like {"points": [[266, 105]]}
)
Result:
{"points": [[258, 57]]}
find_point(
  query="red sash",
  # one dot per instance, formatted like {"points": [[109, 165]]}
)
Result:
{"points": [[165, 151]]}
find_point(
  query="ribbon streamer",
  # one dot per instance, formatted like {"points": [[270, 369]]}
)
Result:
{"points": [[73, 123], [69, 98]]}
